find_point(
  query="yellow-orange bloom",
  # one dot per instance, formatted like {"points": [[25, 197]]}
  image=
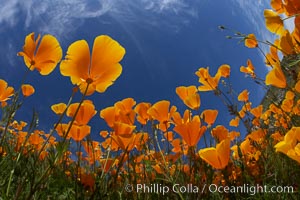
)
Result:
{"points": [[276, 77], [217, 157], [127, 141], [189, 96], [84, 114], [250, 41], [59, 108], [277, 5], [41, 55], [88, 180], [125, 112], [290, 145], [61, 130], [110, 115], [273, 22], [160, 111], [99, 70], [77, 133], [286, 44], [177, 119], [297, 86], [191, 132], [220, 133], [224, 71], [272, 58], [249, 69], [123, 128], [209, 116], [27, 90], [208, 83], [234, 122], [257, 112], [141, 109], [104, 134], [5, 92], [244, 96]]}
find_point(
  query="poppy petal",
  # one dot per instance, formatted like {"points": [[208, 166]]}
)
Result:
{"points": [[77, 62], [48, 54]]}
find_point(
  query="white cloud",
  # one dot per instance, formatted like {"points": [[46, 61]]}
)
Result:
{"points": [[64, 16], [8, 12]]}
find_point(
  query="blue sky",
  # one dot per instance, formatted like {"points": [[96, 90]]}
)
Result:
{"points": [[166, 41]]}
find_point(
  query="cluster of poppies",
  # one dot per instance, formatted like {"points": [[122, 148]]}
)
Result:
{"points": [[151, 142]]}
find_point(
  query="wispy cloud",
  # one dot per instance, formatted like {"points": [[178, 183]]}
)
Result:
{"points": [[63, 16]]}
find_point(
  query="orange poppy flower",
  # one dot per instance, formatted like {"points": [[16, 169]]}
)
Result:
{"points": [[61, 130], [287, 105], [249, 69], [273, 22], [294, 153], [191, 132], [276, 77], [233, 135], [27, 90], [123, 128], [158, 169], [104, 134], [126, 141], [224, 71], [289, 95], [125, 112], [217, 157], [41, 55], [289, 145], [176, 143], [5, 92], [179, 146], [141, 110], [99, 70], [160, 111], [208, 83], [220, 133], [189, 96], [36, 139], [257, 135], [125, 106], [209, 116], [272, 58], [250, 41], [177, 119], [244, 96], [59, 108], [110, 115], [85, 112], [110, 143], [88, 181], [234, 122], [297, 86], [183, 92], [77, 133], [291, 7], [277, 5], [286, 44], [257, 112]]}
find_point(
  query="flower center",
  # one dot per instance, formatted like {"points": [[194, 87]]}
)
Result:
{"points": [[89, 80]]}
